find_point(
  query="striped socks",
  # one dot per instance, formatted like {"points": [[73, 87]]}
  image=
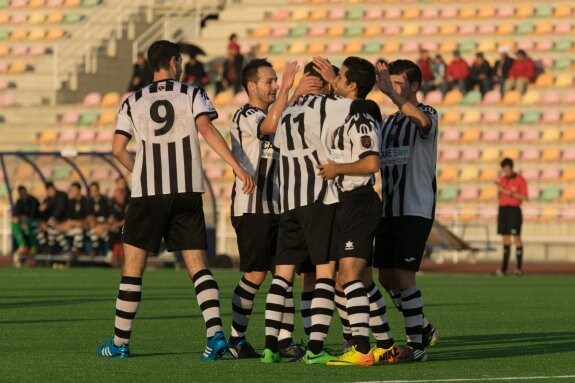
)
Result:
{"points": [[322, 306], [340, 303], [129, 297], [305, 307], [242, 306], [378, 318], [208, 296], [275, 303], [358, 311], [412, 305]]}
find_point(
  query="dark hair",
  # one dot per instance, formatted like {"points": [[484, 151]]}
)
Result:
{"points": [[49, 185], [96, 184], [22, 188], [250, 71], [456, 53], [160, 53], [309, 68], [411, 70], [233, 36], [76, 185], [362, 73], [382, 61], [507, 162], [480, 55], [521, 52]]}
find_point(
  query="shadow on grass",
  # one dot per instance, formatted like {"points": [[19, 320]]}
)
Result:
{"points": [[197, 315]]}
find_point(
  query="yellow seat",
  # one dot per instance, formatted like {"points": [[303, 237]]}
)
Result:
{"points": [[35, 3], [471, 116], [410, 29], [17, 67], [551, 154], [511, 152], [490, 154], [353, 47], [318, 14], [550, 135], [544, 80], [469, 174], [490, 174], [71, 3], [107, 118], [532, 97], [451, 117], [568, 175], [261, 31], [524, 11], [411, 13], [48, 136], [568, 194], [223, 98], [448, 29], [468, 12], [279, 64], [564, 80], [487, 45], [298, 47], [4, 50], [563, 10], [299, 14], [18, 34], [511, 97], [453, 97], [335, 30], [568, 116], [505, 29], [568, 135], [315, 48], [372, 30], [448, 174], [111, 99], [54, 18], [486, 12], [390, 47], [511, 116], [447, 46], [544, 28], [489, 193], [471, 135], [36, 18], [55, 34], [468, 213]]}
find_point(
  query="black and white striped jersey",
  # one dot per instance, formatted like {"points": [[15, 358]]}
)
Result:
{"points": [[256, 153], [408, 162], [355, 139], [162, 118], [301, 138]]}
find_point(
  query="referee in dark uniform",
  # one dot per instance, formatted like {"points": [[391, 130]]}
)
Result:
{"points": [[512, 192]]}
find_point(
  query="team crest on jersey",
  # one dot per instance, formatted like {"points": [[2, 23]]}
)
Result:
{"points": [[366, 142]]}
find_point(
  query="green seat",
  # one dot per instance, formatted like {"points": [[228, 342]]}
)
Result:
{"points": [[467, 46], [563, 63], [61, 173], [90, 3], [550, 194], [563, 45], [531, 117], [4, 33], [72, 18], [3, 190], [355, 14], [298, 31], [524, 28], [353, 30], [278, 48], [448, 193], [543, 10], [471, 98], [4, 3], [371, 47], [88, 118]]}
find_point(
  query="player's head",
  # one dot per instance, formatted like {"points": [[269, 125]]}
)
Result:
{"points": [[356, 78], [406, 77], [311, 71], [506, 166], [74, 190], [94, 189], [165, 55], [50, 189], [22, 192], [260, 81]]}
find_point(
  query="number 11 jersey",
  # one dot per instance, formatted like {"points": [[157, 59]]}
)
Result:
{"points": [[162, 118]]}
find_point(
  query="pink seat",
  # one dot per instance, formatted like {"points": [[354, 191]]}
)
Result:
{"points": [[54, 3], [37, 50], [449, 12], [530, 154], [373, 14], [69, 118], [450, 135], [563, 27], [317, 30], [430, 45], [280, 30], [510, 135], [467, 29], [505, 11], [544, 45], [18, 3], [410, 46], [486, 29], [530, 173], [393, 13], [86, 136], [449, 154], [551, 174], [392, 30], [280, 14], [530, 135], [531, 212], [68, 136], [337, 14], [470, 154], [335, 47], [550, 97], [92, 99], [568, 154], [569, 97], [526, 44], [434, 97], [490, 135], [551, 116], [468, 193], [241, 98], [492, 97], [19, 50], [430, 13], [429, 29], [105, 135], [7, 99], [491, 116]]}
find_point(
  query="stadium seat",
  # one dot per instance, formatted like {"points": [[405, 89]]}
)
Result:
{"points": [[530, 154], [410, 29], [490, 154], [92, 99], [511, 117], [353, 47], [563, 27], [550, 194], [448, 193], [353, 31], [468, 193], [471, 98], [489, 174], [551, 116], [544, 80], [568, 154], [393, 13], [544, 45], [450, 135], [471, 116], [317, 31], [336, 30], [453, 97], [467, 46], [469, 174], [531, 173], [67, 136], [411, 12], [531, 97], [486, 12], [490, 135], [449, 154], [48, 136], [371, 47], [390, 47], [551, 154], [448, 29], [550, 97], [297, 47], [449, 12], [373, 13], [564, 80], [70, 117], [568, 135], [488, 193], [278, 48], [336, 13], [299, 31], [511, 152], [563, 45], [111, 99], [280, 14], [471, 154], [568, 116], [88, 118], [525, 28], [550, 174], [372, 30], [316, 48], [260, 31], [107, 118], [355, 14], [318, 14], [448, 173], [299, 14], [510, 135], [492, 97], [530, 116], [543, 10], [410, 47], [86, 136], [54, 34], [563, 63], [544, 28], [511, 97], [506, 29], [452, 116], [392, 30], [335, 47], [429, 29], [568, 194]]}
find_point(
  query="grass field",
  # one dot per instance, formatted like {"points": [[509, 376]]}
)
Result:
{"points": [[51, 322]]}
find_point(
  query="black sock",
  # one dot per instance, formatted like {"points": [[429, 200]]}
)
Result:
{"points": [[506, 253], [519, 257]]}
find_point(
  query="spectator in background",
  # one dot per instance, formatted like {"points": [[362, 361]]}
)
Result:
{"points": [[24, 221], [456, 74], [53, 211], [521, 73], [141, 74], [501, 68], [194, 73], [97, 219], [232, 68], [425, 64], [439, 67], [480, 74], [119, 206], [73, 225], [512, 192]]}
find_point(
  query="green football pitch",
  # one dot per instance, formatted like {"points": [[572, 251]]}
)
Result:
{"points": [[492, 329]]}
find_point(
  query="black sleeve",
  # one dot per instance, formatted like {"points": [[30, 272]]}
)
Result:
{"points": [[60, 211], [33, 206], [104, 207], [366, 106]]}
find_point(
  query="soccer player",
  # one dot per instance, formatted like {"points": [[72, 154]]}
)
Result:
{"points": [[24, 222], [165, 118], [354, 149], [73, 225], [255, 217], [98, 213], [53, 211], [408, 154], [512, 192]]}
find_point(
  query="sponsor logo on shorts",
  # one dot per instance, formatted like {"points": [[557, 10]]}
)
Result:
{"points": [[410, 259], [349, 245]]}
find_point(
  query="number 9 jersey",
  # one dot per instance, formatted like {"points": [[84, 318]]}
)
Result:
{"points": [[162, 118]]}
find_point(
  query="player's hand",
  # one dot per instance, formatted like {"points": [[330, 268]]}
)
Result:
{"points": [[328, 171], [288, 77], [382, 78], [248, 184], [307, 84], [324, 68]]}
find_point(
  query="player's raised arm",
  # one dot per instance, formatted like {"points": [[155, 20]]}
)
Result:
{"points": [[215, 140], [392, 88], [270, 123]]}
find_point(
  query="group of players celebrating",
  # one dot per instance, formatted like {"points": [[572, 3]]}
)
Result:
{"points": [[303, 202]]}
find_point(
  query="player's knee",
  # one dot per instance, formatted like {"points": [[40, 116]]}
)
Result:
{"points": [[256, 277]]}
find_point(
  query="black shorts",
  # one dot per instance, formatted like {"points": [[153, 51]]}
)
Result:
{"points": [[177, 218], [357, 216], [509, 220], [305, 232], [400, 242], [257, 240]]}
